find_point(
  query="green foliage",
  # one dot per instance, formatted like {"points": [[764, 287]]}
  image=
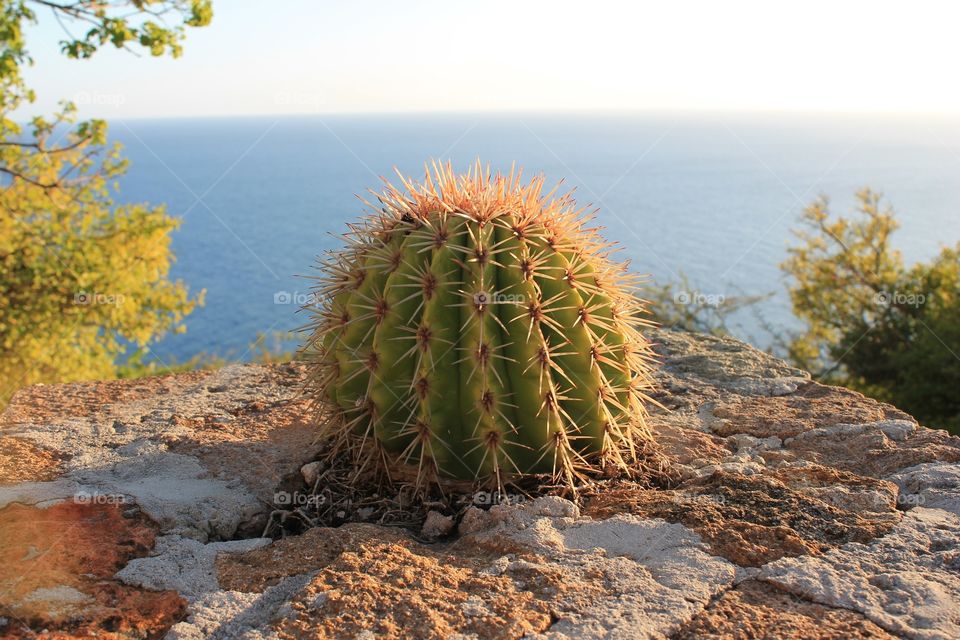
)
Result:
{"points": [[80, 278], [475, 328], [871, 322]]}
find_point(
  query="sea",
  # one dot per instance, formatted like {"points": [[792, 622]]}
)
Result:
{"points": [[714, 197]]}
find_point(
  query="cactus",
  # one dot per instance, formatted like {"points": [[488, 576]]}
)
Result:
{"points": [[476, 327]]}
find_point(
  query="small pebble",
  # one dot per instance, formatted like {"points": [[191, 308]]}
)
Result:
{"points": [[436, 525]]}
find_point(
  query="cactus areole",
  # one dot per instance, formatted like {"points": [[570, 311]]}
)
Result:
{"points": [[475, 326]]}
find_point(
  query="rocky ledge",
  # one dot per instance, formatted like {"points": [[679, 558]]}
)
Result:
{"points": [[134, 509]]}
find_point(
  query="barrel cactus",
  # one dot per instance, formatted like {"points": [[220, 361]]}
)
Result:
{"points": [[475, 327]]}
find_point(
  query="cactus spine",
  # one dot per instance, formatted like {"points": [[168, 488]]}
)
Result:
{"points": [[475, 327]]}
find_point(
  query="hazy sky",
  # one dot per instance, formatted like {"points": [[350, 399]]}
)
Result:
{"points": [[298, 56]]}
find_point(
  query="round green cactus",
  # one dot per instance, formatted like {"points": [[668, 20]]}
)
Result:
{"points": [[474, 327]]}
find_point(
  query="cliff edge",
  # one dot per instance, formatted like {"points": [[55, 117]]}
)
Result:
{"points": [[135, 509]]}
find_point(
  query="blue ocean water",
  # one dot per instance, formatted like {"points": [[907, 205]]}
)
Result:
{"points": [[711, 195]]}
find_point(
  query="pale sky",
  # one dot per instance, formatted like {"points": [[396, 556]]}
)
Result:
{"points": [[298, 56]]}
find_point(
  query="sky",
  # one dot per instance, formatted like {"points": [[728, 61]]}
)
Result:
{"points": [[297, 56]]}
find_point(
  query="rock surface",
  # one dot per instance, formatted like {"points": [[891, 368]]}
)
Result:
{"points": [[201, 453], [134, 509]]}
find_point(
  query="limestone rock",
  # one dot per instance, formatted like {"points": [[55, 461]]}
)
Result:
{"points": [[624, 575], [753, 519], [311, 472], [931, 485], [183, 565], [796, 510], [201, 453], [437, 525], [473, 520], [755, 609], [905, 582], [57, 569]]}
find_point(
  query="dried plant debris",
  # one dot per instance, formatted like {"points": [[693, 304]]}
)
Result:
{"points": [[339, 493]]}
